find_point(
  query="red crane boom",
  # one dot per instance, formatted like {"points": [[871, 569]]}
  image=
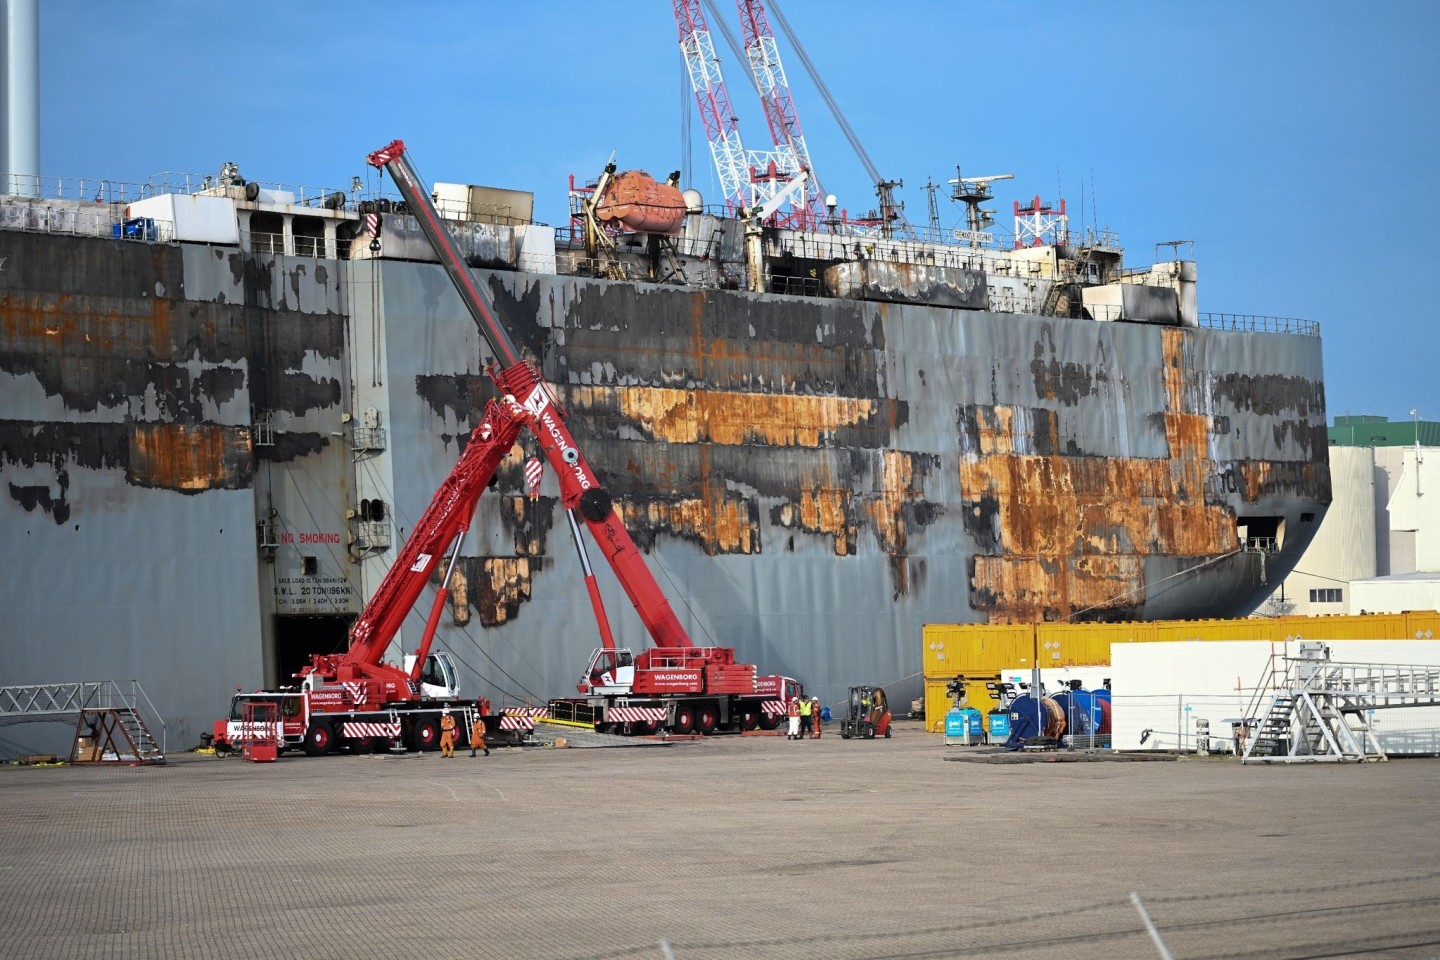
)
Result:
{"points": [[520, 382]]}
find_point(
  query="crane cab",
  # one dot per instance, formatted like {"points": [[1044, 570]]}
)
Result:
{"points": [[439, 680], [289, 726], [611, 671]]}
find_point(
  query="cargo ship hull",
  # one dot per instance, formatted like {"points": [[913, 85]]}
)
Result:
{"points": [[211, 453]]}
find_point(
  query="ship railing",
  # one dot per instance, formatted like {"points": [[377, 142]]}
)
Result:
{"points": [[1256, 323], [465, 212], [797, 286], [71, 219], [294, 245], [838, 246], [86, 189], [96, 190]]}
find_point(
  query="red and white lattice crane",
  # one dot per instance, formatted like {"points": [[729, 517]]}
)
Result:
{"points": [[765, 184], [722, 126], [793, 156], [758, 183]]}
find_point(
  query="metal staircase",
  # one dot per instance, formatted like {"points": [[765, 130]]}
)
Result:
{"points": [[1318, 711], [109, 715], [114, 735]]}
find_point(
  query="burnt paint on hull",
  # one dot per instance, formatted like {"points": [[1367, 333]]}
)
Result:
{"points": [[106, 329]]}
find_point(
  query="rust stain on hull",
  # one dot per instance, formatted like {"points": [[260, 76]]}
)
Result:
{"points": [[1063, 535], [459, 597], [189, 458], [493, 586], [704, 507], [730, 417], [722, 525], [1052, 588]]}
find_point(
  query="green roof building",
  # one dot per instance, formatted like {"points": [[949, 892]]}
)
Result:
{"points": [[1372, 431]]}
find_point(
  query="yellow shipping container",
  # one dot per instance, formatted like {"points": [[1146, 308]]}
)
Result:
{"points": [[1423, 624], [978, 652], [1242, 629], [1084, 644], [937, 704], [952, 649]]}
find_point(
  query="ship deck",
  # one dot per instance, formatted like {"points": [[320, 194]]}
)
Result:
{"points": [[753, 846]]}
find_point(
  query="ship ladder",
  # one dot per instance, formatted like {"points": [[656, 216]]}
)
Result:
{"points": [[1056, 293], [114, 735]]}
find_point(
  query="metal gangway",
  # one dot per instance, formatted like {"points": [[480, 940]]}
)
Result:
{"points": [[109, 717], [1308, 709]]}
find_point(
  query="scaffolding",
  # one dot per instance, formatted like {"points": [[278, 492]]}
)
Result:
{"points": [[1315, 710]]}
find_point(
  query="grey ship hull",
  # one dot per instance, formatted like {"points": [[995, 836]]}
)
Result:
{"points": [[814, 480]]}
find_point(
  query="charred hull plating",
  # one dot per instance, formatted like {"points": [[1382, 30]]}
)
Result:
{"points": [[211, 455]]}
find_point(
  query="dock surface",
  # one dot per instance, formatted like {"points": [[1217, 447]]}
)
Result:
{"points": [[753, 847]]}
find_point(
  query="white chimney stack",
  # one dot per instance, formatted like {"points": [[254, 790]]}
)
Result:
{"points": [[20, 98]]}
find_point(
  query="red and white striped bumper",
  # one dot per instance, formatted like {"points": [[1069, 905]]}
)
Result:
{"points": [[354, 729], [635, 715]]}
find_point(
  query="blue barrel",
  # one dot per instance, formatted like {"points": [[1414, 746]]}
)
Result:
{"points": [[1102, 711], [1079, 710], [1026, 723]]}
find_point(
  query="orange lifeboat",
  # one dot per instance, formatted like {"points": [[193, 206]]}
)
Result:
{"points": [[636, 201]]}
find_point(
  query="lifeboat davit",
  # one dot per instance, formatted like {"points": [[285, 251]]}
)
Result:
{"points": [[638, 202]]}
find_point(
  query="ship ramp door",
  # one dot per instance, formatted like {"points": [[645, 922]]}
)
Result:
{"points": [[300, 636]]}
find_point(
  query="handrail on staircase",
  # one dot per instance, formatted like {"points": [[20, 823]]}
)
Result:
{"points": [[54, 701], [1265, 689]]}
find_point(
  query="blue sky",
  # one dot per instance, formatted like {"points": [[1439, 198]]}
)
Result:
{"points": [[1294, 142]]}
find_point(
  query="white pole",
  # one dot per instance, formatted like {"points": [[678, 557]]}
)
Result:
{"points": [[21, 159], [1150, 927]]}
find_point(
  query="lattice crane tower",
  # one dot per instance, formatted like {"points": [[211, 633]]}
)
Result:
{"points": [[793, 156], [722, 126]]}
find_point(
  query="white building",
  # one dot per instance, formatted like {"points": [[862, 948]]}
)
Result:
{"points": [[1378, 548]]}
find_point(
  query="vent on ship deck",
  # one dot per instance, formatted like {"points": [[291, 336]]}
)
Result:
{"points": [[1260, 534], [297, 637]]}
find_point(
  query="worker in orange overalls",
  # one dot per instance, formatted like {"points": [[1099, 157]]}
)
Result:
{"points": [[815, 709], [447, 734], [477, 736], [793, 712]]}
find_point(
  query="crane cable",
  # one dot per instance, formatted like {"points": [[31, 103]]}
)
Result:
{"points": [[834, 106]]}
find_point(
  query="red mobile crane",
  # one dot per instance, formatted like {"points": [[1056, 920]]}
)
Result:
{"points": [[688, 688], [355, 696]]}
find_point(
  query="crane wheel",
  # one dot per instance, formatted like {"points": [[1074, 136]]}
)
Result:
{"points": [[319, 739], [684, 719], [769, 721], [426, 735], [749, 720], [706, 719]]}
